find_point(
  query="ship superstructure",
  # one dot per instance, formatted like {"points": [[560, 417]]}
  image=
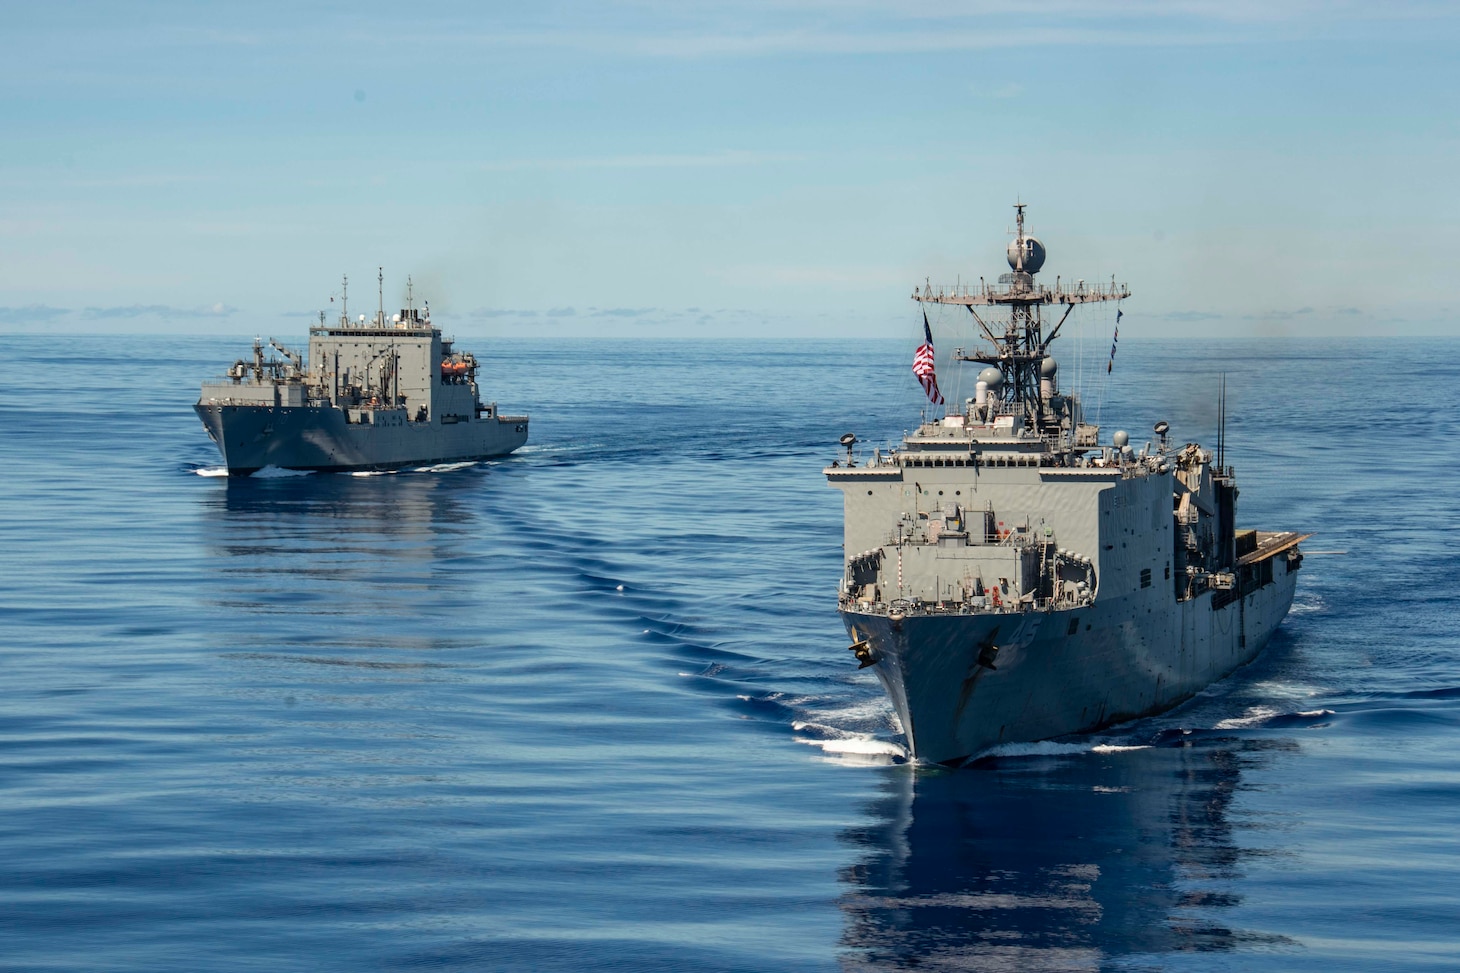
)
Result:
{"points": [[1009, 577], [373, 393]]}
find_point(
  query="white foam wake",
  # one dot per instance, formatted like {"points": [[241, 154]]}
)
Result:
{"points": [[839, 712], [1255, 716], [1305, 604], [269, 472], [1048, 748], [852, 747]]}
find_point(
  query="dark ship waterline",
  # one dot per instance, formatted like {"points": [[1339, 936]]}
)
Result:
{"points": [[375, 394], [1010, 578]]}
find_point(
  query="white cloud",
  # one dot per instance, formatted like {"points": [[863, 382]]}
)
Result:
{"points": [[647, 161]]}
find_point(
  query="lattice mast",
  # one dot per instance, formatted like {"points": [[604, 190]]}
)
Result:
{"points": [[1022, 348]]}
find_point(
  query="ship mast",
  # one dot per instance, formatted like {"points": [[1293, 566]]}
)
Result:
{"points": [[1021, 349]]}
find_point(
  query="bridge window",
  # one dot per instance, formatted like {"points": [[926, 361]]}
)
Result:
{"points": [[1145, 577]]}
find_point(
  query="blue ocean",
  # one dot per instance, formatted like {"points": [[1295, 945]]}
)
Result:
{"points": [[589, 707]]}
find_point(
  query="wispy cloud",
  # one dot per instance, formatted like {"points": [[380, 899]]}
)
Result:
{"points": [[1278, 315], [500, 312], [658, 29], [770, 28], [649, 161], [622, 312], [1191, 316], [812, 41], [636, 319], [165, 311], [31, 313]]}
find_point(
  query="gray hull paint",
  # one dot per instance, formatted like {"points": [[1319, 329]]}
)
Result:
{"points": [[1013, 579], [1124, 660], [318, 438]]}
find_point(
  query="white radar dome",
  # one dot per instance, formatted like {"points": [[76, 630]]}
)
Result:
{"points": [[1032, 251], [991, 377], [1121, 439], [1048, 368]]}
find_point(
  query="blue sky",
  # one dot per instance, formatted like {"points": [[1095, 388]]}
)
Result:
{"points": [[726, 169]]}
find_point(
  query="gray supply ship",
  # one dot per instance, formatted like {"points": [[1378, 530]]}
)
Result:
{"points": [[373, 394], [1011, 578]]}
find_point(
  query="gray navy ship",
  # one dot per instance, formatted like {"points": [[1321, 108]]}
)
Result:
{"points": [[1010, 577], [372, 394]]}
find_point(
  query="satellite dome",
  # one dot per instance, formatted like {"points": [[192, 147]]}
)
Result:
{"points": [[991, 377], [1048, 368], [1120, 439], [1033, 253]]}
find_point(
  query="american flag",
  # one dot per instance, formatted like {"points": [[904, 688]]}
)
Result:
{"points": [[923, 365]]}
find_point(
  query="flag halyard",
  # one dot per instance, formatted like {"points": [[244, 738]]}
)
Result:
{"points": [[1110, 365]]}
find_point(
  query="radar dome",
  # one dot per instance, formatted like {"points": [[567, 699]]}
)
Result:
{"points": [[1121, 439], [1033, 252], [991, 377], [1048, 368]]}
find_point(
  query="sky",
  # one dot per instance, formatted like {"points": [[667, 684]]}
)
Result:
{"points": [[727, 169]]}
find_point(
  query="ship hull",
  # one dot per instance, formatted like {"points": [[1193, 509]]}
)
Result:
{"points": [[320, 438], [1058, 672]]}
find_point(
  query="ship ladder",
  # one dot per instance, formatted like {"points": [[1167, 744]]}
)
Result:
{"points": [[1043, 568]]}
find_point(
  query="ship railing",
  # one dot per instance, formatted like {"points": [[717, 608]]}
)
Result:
{"points": [[977, 605], [1020, 287]]}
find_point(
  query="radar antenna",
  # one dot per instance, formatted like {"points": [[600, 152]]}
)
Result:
{"points": [[1020, 351]]}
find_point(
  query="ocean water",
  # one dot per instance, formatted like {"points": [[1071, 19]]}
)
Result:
{"points": [[589, 707]]}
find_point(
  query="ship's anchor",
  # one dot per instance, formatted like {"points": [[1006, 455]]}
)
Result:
{"points": [[988, 651], [862, 649]]}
